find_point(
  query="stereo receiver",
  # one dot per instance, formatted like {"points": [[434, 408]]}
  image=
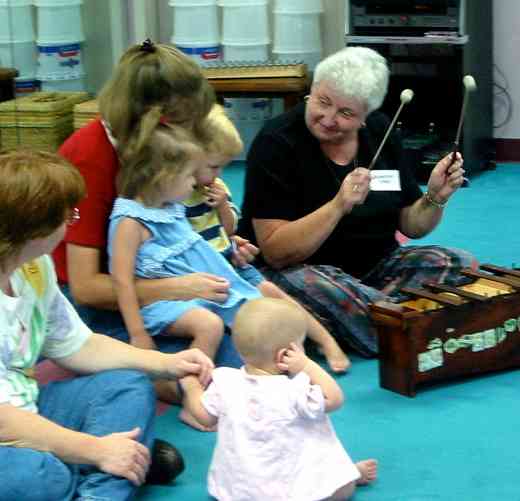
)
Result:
{"points": [[405, 17]]}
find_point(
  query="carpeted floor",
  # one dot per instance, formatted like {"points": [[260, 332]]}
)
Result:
{"points": [[453, 442]]}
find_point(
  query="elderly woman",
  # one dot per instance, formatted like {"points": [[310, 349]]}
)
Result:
{"points": [[324, 223]]}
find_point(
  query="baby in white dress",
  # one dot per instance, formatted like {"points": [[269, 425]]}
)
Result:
{"points": [[275, 440]]}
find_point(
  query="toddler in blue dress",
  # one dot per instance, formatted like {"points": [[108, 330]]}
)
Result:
{"points": [[150, 237]]}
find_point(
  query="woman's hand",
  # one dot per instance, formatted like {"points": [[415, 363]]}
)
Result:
{"points": [[244, 252], [293, 359], [215, 195], [189, 362], [354, 189], [199, 285], [121, 454], [446, 178]]}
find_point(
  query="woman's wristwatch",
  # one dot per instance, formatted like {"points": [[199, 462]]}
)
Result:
{"points": [[433, 202]]}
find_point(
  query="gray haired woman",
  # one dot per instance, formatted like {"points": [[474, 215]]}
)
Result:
{"points": [[325, 224]]}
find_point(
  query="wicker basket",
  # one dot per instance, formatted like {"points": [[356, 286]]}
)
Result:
{"points": [[85, 112], [41, 121]]}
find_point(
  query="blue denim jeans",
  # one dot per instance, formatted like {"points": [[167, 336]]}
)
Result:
{"points": [[100, 404], [111, 324]]}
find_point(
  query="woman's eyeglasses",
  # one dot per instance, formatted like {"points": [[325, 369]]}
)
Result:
{"points": [[72, 217]]}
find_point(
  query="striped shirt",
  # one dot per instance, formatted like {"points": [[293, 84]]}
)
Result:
{"points": [[205, 219]]}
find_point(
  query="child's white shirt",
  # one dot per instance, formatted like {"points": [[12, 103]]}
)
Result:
{"points": [[274, 439]]}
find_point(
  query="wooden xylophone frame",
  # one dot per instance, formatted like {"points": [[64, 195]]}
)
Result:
{"points": [[449, 332]]}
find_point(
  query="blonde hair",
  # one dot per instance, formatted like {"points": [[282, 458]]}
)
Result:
{"points": [[264, 326], [158, 163], [222, 135], [37, 189], [153, 82]]}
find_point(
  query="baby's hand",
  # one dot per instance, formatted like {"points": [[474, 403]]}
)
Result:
{"points": [[215, 195], [243, 251], [293, 360]]}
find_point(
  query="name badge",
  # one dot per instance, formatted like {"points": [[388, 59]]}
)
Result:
{"points": [[385, 180]]}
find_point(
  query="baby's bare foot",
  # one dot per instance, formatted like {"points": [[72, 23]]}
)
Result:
{"points": [[368, 471], [337, 360], [189, 419]]}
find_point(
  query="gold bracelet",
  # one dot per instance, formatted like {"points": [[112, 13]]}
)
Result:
{"points": [[431, 201]]}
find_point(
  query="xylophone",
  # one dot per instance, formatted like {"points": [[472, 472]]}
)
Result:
{"points": [[446, 332]]}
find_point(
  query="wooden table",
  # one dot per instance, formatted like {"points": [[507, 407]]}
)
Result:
{"points": [[289, 82]]}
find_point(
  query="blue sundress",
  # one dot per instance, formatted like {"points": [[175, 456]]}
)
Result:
{"points": [[175, 249]]}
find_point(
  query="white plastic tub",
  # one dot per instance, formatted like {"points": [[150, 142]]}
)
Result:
{"points": [[248, 108], [245, 52], [248, 129], [190, 3], [240, 3], [60, 62], [311, 58], [245, 24], [202, 52], [59, 21], [24, 86], [195, 22], [19, 55], [16, 21], [70, 85], [297, 32], [298, 6]]}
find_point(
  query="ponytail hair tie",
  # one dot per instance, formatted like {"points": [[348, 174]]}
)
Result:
{"points": [[147, 46]]}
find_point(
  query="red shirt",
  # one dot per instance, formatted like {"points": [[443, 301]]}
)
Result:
{"points": [[90, 150]]}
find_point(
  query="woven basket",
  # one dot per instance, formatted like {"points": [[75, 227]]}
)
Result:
{"points": [[42, 120], [85, 112]]}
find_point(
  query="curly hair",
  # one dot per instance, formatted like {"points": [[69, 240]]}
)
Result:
{"points": [[356, 72]]}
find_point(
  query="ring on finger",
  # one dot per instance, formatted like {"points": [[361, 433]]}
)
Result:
{"points": [[355, 188]]}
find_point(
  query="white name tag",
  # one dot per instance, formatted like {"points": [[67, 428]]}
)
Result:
{"points": [[385, 180]]}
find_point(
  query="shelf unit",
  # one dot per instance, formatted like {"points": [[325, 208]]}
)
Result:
{"points": [[433, 67]]}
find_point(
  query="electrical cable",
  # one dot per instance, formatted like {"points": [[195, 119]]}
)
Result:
{"points": [[503, 92]]}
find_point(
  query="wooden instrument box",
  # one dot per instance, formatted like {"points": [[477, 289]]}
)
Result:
{"points": [[447, 332]]}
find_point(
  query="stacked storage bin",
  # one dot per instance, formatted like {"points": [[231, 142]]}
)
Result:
{"points": [[245, 38], [60, 34], [17, 43], [248, 115], [196, 30], [297, 31], [245, 30]]}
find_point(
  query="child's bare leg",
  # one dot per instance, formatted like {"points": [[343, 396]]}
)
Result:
{"points": [[336, 358], [203, 326], [368, 471], [207, 330]]}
